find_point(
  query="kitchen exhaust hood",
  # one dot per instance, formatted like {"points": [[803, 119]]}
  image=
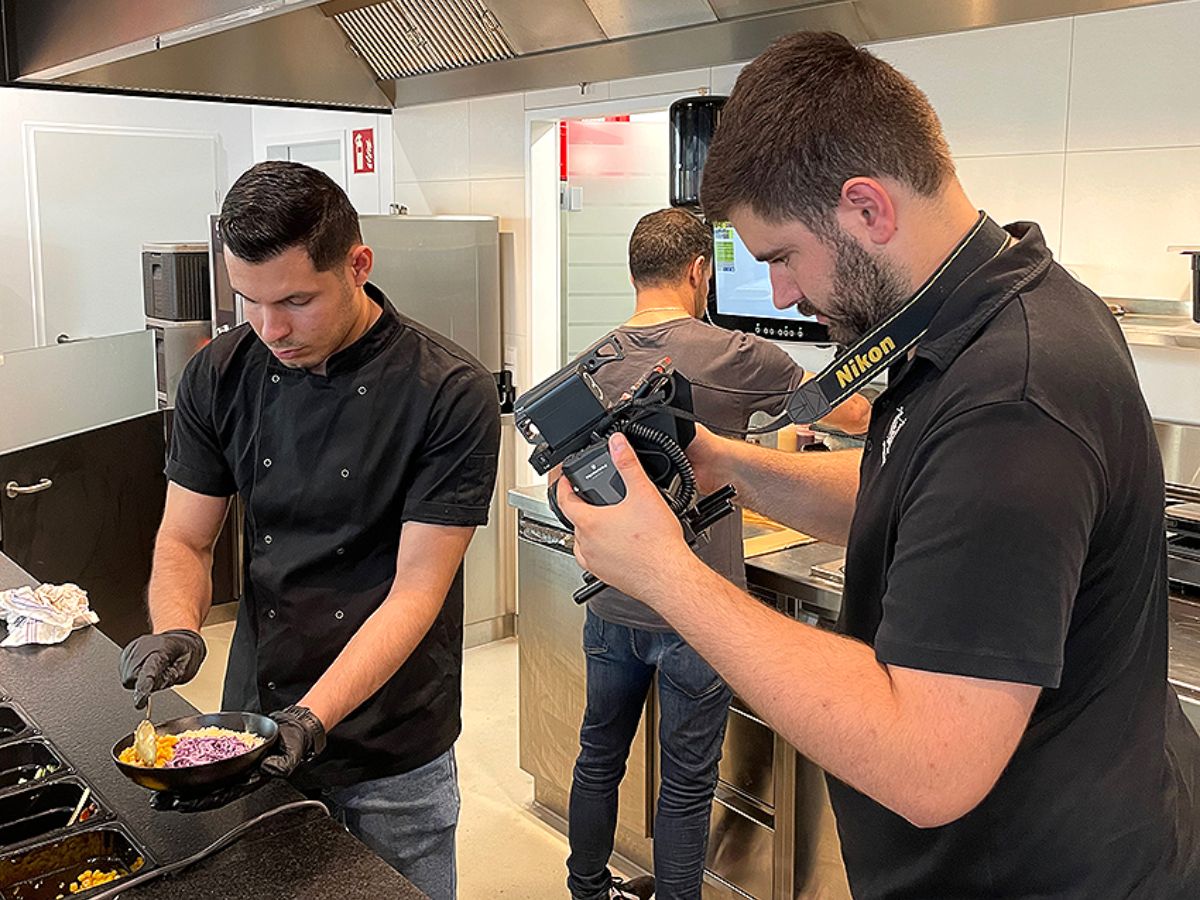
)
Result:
{"points": [[380, 53]]}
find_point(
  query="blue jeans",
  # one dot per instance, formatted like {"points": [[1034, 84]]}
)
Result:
{"points": [[694, 707], [409, 820]]}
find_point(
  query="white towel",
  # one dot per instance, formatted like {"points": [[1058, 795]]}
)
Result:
{"points": [[46, 614]]}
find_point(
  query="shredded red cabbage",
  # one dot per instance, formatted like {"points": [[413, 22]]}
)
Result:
{"points": [[197, 751]]}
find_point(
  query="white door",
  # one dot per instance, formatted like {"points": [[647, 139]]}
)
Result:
{"points": [[326, 155]]}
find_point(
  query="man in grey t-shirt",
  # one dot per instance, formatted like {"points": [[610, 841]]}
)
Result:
{"points": [[670, 255]]}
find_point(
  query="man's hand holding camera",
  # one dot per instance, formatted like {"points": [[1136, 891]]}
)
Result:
{"points": [[637, 545]]}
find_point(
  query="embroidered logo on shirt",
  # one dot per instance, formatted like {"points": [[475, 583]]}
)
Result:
{"points": [[894, 427]]}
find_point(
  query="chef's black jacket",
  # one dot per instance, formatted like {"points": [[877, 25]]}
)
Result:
{"points": [[1009, 526], [404, 427]]}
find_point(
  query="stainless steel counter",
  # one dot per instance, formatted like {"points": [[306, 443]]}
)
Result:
{"points": [[1158, 323], [772, 833], [1179, 332], [1180, 449]]}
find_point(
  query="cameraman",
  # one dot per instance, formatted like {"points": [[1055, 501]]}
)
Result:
{"points": [[995, 718], [670, 255]]}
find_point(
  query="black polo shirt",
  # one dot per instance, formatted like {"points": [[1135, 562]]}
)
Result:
{"points": [[1009, 526], [404, 427]]}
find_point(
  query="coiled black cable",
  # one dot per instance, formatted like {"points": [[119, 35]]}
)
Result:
{"points": [[680, 500]]}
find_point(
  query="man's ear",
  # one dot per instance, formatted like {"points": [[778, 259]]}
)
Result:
{"points": [[866, 208], [362, 260], [698, 271]]}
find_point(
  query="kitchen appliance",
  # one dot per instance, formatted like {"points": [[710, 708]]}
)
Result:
{"points": [[553, 689], [1193, 253], [1183, 546], [175, 281], [444, 272], [174, 344], [175, 289], [1180, 449], [226, 305]]}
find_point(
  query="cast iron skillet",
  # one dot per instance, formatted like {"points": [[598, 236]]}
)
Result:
{"points": [[197, 779]]}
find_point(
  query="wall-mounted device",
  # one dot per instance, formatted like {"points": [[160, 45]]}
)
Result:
{"points": [[175, 290], [693, 121]]}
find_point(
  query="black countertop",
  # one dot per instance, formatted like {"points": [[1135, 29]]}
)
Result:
{"points": [[72, 693]]}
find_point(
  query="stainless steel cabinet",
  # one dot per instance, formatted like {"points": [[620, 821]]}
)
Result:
{"points": [[553, 691]]}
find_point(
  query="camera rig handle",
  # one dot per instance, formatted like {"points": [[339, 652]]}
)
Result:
{"points": [[707, 510]]}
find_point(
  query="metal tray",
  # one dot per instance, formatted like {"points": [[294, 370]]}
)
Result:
{"points": [[45, 871], [43, 810], [832, 572], [15, 723], [20, 762]]}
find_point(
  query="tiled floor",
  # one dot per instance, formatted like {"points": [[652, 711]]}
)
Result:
{"points": [[504, 850]]}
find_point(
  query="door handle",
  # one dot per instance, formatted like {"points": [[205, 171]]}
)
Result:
{"points": [[12, 489]]}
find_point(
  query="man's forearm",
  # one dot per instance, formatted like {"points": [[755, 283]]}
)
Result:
{"points": [[375, 653], [811, 492], [824, 693], [180, 592], [853, 416]]}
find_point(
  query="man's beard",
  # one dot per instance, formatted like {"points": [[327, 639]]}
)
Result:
{"points": [[866, 291]]}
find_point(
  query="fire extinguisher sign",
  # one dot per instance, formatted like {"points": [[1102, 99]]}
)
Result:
{"points": [[364, 150]]}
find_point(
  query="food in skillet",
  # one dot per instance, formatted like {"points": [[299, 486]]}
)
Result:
{"points": [[197, 747]]}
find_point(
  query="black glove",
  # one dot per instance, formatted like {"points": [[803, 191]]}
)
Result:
{"points": [[170, 801], [155, 662], [301, 737]]}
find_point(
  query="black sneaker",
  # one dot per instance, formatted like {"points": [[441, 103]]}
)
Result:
{"points": [[640, 888]]}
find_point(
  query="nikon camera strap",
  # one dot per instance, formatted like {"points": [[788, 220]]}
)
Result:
{"points": [[892, 338]]}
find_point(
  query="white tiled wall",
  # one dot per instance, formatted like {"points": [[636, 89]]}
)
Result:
{"points": [[1025, 109], [1122, 209], [1133, 74], [1086, 125], [1025, 187], [996, 90]]}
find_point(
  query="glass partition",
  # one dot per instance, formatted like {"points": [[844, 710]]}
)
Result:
{"points": [[49, 392]]}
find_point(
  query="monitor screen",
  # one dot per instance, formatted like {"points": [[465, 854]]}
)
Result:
{"points": [[740, 294]]}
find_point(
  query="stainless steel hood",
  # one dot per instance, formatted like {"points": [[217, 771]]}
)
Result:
{"points": [[376, 53], [272, 50]]}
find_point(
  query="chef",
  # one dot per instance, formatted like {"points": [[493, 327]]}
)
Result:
{"points": [[364, 449]]}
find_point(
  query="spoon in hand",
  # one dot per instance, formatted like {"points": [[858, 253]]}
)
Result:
{"points": [[145, 741]]}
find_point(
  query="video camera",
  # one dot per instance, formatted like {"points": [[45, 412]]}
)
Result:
{"points": [[568, 420]]}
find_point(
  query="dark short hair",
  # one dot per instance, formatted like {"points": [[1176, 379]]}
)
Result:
{"points": [[664, 244], [810, 113], [277, 205]]}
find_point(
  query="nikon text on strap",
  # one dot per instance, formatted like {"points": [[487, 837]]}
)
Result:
{"points": [[892, 338]]}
